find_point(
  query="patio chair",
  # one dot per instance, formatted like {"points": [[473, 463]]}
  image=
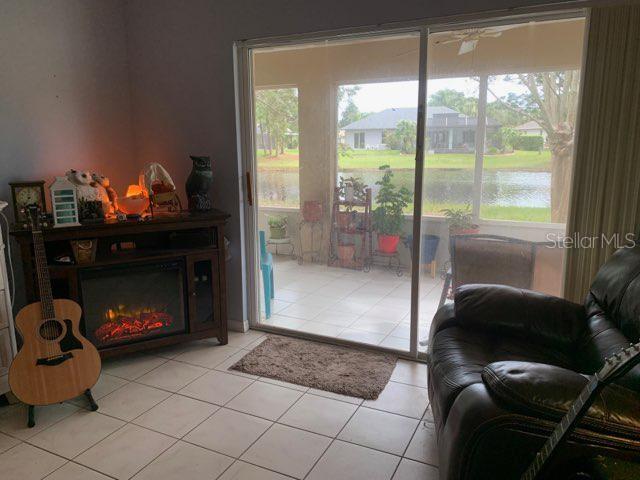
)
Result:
{"points": [[266, 267], [489, 259]]}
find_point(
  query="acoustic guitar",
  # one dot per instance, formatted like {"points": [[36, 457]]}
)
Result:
{"points": [[614, 367], [56, 363]]}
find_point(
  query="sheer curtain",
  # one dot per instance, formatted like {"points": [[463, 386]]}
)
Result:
{"points": [[605, 204]]}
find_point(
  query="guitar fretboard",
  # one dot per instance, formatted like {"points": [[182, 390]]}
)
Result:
{"points": [[42, 273], [561, 430]]}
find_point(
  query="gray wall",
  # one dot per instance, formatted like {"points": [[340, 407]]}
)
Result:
{"points": [[64, 92]]}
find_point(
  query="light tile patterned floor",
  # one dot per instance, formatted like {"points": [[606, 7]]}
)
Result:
{"points": [[367, 307], [177, 413]]}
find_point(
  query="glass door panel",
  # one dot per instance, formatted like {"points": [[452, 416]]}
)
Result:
{"points": [[335, 139], [498, 164]]}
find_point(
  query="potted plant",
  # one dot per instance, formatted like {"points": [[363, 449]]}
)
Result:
{"points": [[352, 189], [277, 227], [346, 252], [388, 216], [346, 218], [460, 221]]}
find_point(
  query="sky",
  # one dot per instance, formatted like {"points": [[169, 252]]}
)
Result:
{"points": [[375, 97]]}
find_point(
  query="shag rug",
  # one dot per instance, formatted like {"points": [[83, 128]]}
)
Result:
{"points": [[344, 370]]}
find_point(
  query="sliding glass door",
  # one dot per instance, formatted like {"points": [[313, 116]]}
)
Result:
{"points": [[502, 107], [364, 216], [334, 149]]}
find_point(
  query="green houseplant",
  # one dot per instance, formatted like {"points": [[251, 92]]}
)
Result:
{"points": [[460, 220], [277, 227], [351, 190], [388, 216]]}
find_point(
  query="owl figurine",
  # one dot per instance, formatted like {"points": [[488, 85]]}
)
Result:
{"points": [[198, 184]]}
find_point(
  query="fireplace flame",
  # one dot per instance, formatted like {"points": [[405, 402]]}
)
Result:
{"points": [[123, 323]]}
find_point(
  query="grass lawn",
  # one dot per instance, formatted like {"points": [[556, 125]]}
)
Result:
{"points": [[487, 212], [372, 159]]}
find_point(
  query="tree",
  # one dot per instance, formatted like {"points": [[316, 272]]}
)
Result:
{"points": [[551, 101], [455, 100], [504, 137], [404, 136], [504, 112], [351, 113], [276, 116]]}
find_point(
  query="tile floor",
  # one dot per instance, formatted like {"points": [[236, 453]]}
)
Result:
{"points": [[371, 308], [178, 413]]}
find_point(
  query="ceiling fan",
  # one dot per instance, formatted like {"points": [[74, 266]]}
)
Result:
{"points": [[470, 37]]}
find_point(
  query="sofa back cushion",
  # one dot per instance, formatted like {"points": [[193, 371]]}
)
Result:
{"points": [[615, 292]]}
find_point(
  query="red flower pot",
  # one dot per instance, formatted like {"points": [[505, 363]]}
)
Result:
{"points": [[344, 220], [312, 211], [388, 243], [346, 252]]}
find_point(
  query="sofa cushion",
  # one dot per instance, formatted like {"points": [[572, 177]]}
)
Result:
{"points": [[512, 311], [458, 356], [548, 391], [616, 291]]}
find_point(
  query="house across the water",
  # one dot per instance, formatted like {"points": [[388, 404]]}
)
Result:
{"points": [[448, 131]]}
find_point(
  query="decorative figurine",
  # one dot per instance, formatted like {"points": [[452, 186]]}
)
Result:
{"points": [[198, 184], [90, 203], [107, 192], [162, 191]]}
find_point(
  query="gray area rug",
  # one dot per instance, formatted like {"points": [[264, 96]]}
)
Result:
{"points": [[344, 370]]}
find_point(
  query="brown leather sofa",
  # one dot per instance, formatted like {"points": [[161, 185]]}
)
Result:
{"points": [[505, 364]]}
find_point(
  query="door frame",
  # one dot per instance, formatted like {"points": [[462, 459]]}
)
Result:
{"points": [[243, 72]]}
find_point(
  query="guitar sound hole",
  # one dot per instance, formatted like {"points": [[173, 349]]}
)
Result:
{"points": [[51, 329]]}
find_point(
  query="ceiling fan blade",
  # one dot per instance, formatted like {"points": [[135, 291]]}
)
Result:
{"points": [[502, 28], [467, 46], [451, 40]]}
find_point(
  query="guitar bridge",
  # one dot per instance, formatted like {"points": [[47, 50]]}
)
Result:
{"points": [[56, 360]]}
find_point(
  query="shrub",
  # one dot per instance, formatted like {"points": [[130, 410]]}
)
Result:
{"points": [[530, 143]]}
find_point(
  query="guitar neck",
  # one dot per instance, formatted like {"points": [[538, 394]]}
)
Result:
{"points": [[42, 274], [577, 410]]}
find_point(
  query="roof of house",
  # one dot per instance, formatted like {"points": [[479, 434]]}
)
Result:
{"points": [[530, 125], [436, 117]]}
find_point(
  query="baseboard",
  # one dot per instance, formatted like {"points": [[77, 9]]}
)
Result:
{"points": [[237, 326]]}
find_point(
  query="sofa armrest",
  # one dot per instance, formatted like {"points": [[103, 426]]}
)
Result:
{"points": [[547, 391], [506, 310]]}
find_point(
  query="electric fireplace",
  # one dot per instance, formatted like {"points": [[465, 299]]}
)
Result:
{"points": [[132, 303], [151, 284]]}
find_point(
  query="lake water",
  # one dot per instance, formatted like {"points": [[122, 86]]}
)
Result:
{"points": [[499, 188]]}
